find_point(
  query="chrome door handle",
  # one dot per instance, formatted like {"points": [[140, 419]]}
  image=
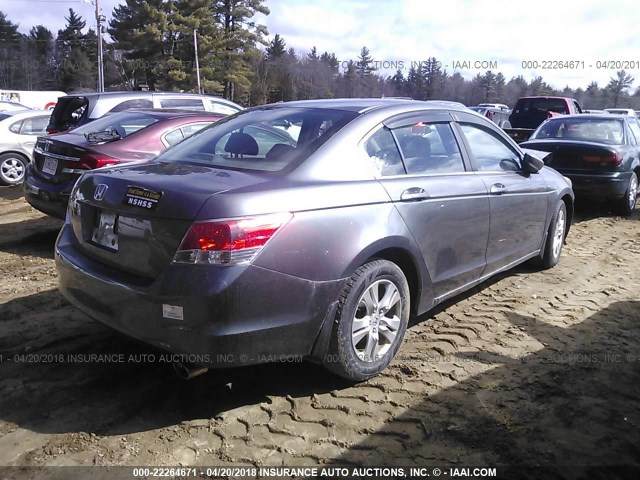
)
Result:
{"points": [[414, 194], [497, 189]]}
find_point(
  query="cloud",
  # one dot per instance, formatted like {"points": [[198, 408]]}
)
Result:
{"points": [[589, 32]]}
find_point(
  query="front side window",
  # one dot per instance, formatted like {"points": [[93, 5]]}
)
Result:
{"points": [[255, 140], [490, 153]]}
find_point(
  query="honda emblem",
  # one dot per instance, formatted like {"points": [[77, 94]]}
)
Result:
{"points": [[99, 192]]}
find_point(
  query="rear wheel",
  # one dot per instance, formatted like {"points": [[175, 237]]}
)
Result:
{"points": [[372, 317], [12, 168], [627, 204], [555, 237]]}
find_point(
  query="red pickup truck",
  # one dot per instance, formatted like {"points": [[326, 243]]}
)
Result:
{"points": [[530, 112]]}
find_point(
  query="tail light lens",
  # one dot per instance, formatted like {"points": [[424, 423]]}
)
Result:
{"points": [[612, 159], [91, 162], [51, 131], [229, 242]]}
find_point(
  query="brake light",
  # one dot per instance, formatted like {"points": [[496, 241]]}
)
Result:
{"points": [[91, 162], [228, 242], [613, 159], [51, 131]]}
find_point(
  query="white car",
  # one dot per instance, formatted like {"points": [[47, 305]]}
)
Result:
{"points": [[11, 106], [19, 131], [622, 111], [501, 106]]}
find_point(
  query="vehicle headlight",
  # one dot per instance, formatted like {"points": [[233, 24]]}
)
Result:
{"points": [[568, 180]]}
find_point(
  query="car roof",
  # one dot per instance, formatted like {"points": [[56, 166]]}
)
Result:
{"points": [[170, 112], [604, 116], [147, 93], [362, 105], [18, 114]]}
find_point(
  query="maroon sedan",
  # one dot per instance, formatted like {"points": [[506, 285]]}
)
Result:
{"points": [[129, 136]]}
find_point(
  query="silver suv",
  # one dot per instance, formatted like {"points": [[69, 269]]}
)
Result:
{"points": [[74, 110]]}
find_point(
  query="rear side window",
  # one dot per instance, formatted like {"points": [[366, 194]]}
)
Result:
{"points": [[635, 130], [35, 126], [182, 103], [222, 108], [429, 149], [384, 154], [490, 153], [129, 104], [15, 127], [424, 148]]}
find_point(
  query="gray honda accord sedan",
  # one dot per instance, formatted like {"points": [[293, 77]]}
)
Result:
{"points": [[243, 245]]}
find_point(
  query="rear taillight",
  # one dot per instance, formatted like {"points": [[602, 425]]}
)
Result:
{"points": [[612, 159], [228, 242], [51, 131], [90, 162]]}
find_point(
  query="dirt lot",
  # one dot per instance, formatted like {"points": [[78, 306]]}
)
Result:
{"points": [[535, 368]]}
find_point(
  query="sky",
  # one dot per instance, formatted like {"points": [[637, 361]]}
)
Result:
{"points": [[568, 42]]}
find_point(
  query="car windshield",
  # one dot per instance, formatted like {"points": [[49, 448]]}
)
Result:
{"points": [[123, 123], [264, 140], [601, 130]]}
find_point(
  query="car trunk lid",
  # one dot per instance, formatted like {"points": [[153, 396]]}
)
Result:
{"points": [[577, 157], [134, 218]]}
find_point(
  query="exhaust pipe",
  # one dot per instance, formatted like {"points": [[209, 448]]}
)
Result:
{"points": [[187, 371]]}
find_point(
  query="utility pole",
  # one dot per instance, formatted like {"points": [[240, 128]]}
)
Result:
{"points": [[100, 57], [195, 45]]}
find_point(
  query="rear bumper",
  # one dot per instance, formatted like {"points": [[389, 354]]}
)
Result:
{"points": [[606, 185], [231, 316], [48, 198]]}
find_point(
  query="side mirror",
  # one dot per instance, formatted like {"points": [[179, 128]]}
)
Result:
{"points": [[531, 164]]}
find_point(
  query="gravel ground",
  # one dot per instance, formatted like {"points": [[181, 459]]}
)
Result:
{"points": [[529, 368]]}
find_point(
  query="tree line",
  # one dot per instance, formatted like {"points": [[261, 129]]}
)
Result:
{"points": [[152, 46]]}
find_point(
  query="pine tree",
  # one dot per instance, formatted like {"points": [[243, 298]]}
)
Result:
{"points": [[141, 31], [240, 34], [76, 70]]}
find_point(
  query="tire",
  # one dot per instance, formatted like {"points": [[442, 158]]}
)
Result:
{"points": [[366, 333], [12, 168], [555, 237], [627, 204]]}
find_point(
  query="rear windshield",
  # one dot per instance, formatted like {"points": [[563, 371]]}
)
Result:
{"points": [[124, 123], [609, 131], [540, 105], [264, 140]]}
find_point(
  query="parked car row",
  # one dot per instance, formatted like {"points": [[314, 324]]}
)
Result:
{"points": [[19, 132]]}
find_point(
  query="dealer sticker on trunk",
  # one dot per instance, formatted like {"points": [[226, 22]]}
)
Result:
{"points": [[142, 197], [174, 312]]}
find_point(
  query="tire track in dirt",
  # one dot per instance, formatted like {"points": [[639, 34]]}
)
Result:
{"points": [[138, 413]]}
